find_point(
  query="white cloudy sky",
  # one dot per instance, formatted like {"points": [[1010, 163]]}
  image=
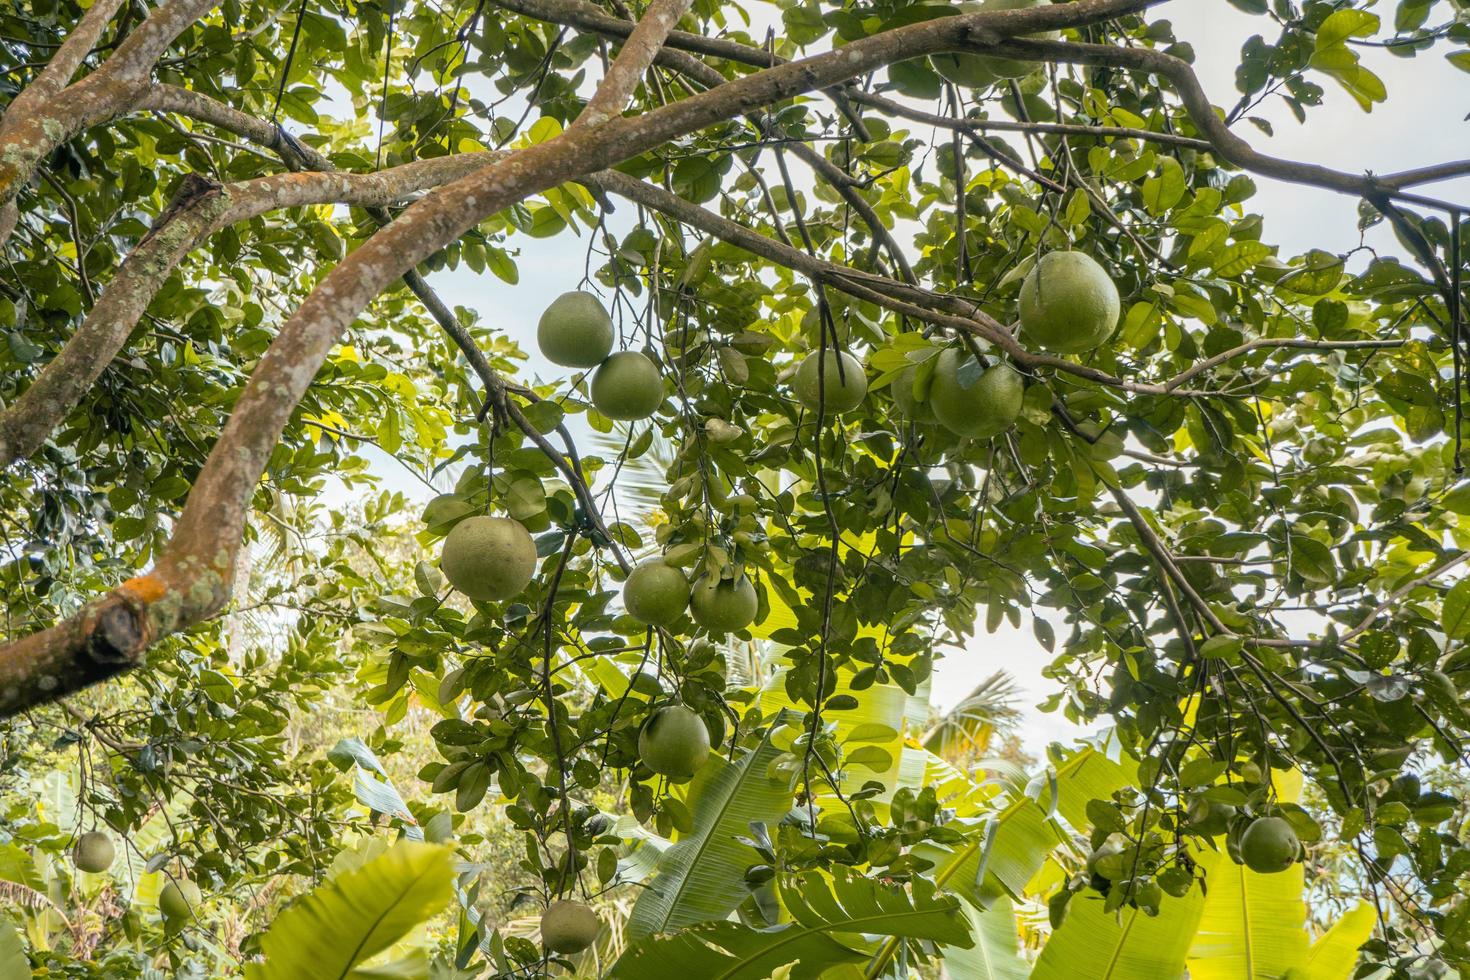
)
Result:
{"points": [[1423, 122]]}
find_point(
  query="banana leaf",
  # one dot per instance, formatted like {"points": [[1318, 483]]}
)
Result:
{"points": [[1253, 925], [1095, 944], [348, 920], [1335, 955], [995, 955], [702, 876], [830, 917]]}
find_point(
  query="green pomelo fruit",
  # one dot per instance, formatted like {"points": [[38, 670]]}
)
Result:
{"points": [[965, 70], [1209, 818], [178, 898], [568, 927], [721, 605], [575, 331], [1106, 861], [1015, 67], [1269, 845], [627, 387], [838, 389], [94, 852], [674, 742], [656, 593], [489, 558], [1068, 303], [981, 408], [909, 405]]}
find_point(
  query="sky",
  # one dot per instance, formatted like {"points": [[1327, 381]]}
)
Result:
{"points": [[1423, 122]]}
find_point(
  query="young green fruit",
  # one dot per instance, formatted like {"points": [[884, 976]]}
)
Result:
{"points": [[94, 852], [568, 927], [723, 605], [656, 593], [1210, 818], [909, 405], [1106, 861], [674, 742], [1269, 845], [575, 331], [967, 405], [489, 558], [965, 70], [841, 386], [178, 898], [1015, 67], [627, 387], [1068, 303]]}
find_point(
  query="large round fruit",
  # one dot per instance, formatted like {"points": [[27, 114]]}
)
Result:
{"points": [[1269, 845], [656, 593], [723, 605], [568, 927], [1068, 303], [965, 70], [178, 898], [627, 387], [489, 557], [674, 742], [838, 390], [94, 852], [987, 406], [909, 405], [575, 331], [1210, 818], [1014, 67], [1106, 861]]}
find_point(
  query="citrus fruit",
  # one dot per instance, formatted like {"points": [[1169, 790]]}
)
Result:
{"points": [[1269, 845], [723, 605], [490, 558], [674, 742], [575, 331], [656, 593], [1068, 303], [568, 927], [971, 400], [838, 389], [627, 387]]}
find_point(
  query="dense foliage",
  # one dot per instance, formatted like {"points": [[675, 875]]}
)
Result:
{"points": [[1244, 504]]}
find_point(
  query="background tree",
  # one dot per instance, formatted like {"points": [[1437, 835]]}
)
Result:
{"points": [[1241, 488]]}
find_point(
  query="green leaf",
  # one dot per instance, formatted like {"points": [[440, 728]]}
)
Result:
{"points": [[702, 876], [1455, 616], [13, 961], [1253, 925], [357, 915], [1162, 192], [1460, 59], [1343, 24], [1095, 944], [1334, 955], [829, 917], [994, 956]]}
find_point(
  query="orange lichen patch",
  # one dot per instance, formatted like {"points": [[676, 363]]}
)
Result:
{"points": [[147, 589]]}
